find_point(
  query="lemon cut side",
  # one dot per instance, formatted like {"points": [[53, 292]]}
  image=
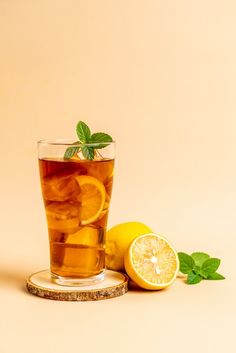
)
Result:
{"points": [[152, 262]]}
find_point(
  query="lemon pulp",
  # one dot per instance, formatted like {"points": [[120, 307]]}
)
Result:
{"points": [[152, 262]]}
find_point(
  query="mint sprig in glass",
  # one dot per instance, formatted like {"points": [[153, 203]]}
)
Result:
{"points": [[88, 143]]}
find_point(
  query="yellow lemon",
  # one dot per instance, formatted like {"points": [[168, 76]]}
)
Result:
{"points": [[151, 262], [118, 239]]}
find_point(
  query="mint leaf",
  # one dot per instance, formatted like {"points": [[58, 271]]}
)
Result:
{"points": [[88, 144], [83, 132], [210, 266], [193, 278], [215, 276], [186, 263], [70, 152], [100, 137], [197, 270], [203, 274], [88, 152], [199, 257]]}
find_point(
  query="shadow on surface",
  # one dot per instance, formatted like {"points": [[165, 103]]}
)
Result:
{"points": [[14, 278], [135, 288]]}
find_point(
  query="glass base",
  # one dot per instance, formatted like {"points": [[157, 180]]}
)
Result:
{"points": [[76, 282]]}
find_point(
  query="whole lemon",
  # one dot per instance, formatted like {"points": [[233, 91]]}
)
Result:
{"points": [[118, 239]]}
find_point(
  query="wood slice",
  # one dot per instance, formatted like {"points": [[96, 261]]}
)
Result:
{"points": [[115, 284]]}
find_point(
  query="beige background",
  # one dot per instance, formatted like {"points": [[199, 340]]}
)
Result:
{"points": [[160, 77]]}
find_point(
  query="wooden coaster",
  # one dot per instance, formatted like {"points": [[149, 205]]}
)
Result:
{"points": [[114, 284]]}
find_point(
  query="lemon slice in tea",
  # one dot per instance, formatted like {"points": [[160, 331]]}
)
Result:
{"points": [[92, 197], [151, 262]]}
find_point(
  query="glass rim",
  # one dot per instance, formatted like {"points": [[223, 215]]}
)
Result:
{"points": [[72, 143]]}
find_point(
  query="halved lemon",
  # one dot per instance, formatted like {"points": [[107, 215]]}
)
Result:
{"points": [[152, 262], [92, 198]]}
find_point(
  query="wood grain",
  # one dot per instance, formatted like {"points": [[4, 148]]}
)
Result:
{"points": [[91, 294]]}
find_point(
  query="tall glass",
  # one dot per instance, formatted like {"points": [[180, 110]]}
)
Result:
{"points": [[76, 194]]}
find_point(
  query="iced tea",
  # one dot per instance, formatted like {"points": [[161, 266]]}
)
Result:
{"points": [[76, 195]]}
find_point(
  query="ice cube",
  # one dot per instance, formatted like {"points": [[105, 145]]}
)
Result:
{"points": [[101, 170], [83, 260], [63, 216], [60, 187], [57, 252], [56, 236], [85, 236]]}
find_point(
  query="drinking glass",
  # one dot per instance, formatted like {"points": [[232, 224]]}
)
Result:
{"points": [[76, 194]]}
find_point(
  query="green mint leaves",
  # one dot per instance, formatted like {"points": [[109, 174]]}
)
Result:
{"points": [[88, 152], [199, 258], [101, 140], [83, 132], [99, 137], [193, 278], [186, 263], [215, 276], [199, 266]]}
